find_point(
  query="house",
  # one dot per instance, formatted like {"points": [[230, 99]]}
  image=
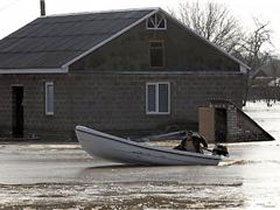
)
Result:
{"points": [[265, 81], [269, 69], [118, 71]]}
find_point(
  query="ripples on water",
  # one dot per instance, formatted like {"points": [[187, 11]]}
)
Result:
{"points": [[137, 195], [249, 179]]}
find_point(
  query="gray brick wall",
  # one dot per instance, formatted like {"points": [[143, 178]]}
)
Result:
{"points": [[112, 102], [183, 52], [35, 120]]}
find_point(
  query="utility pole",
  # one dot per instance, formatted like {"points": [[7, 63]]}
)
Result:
{"points": [[43, 7]]}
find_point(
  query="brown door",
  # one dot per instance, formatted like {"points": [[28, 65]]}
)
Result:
{"points": [[220, 124], [17, 108]]}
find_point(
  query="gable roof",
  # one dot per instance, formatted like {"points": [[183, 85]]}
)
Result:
{"points": [[50, 44], [269, 69]]}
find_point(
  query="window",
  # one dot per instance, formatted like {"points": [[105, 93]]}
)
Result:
{"points": [[49, 98], [157, 54], [158, 98], [156, 22]]}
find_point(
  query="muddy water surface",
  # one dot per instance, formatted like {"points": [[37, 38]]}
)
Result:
{"points": [[62, 176]]}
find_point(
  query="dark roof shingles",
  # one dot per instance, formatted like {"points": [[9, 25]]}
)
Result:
{"points": [[52, 41]]}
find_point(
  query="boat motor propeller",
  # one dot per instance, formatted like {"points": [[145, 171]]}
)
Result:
{"points": [[220, 150]]}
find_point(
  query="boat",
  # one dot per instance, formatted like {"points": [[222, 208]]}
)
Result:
{"points": [[122, 150]]}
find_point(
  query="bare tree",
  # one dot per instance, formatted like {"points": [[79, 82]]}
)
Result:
{"points": [[252, 51], [212, 21]]}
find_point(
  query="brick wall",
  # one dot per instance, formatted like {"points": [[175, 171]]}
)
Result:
{"points": [[114, 102], [35, 120], [183, 52], [240, 127], [243, 128]]}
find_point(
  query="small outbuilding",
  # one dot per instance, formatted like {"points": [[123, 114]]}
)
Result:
{"points": [[118, 71], [223, 121], [265, 82]]}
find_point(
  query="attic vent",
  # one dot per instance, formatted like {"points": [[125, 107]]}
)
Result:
{"points": [[156, 22]]}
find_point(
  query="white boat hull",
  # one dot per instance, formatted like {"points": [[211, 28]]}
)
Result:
{"points": [[121, 150]]}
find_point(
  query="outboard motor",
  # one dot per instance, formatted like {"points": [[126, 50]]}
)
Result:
{"points": [[220, 150]]}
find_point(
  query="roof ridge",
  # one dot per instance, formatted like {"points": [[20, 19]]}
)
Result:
{"points": [[101, 12]]}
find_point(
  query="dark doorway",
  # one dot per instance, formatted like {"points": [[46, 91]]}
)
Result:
{"points": [[17, 115], [220, 124]]}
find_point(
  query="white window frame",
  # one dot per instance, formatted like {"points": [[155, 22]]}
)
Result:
{"points": [[157, 112], [158, 19], [47, 112]]}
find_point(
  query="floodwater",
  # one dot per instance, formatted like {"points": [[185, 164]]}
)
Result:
{"points": [[62, 176]]}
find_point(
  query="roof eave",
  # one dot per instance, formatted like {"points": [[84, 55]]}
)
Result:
{"points": [[62, 70]]}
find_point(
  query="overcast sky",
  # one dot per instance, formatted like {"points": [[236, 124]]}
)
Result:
{"points": [[16, 13]]}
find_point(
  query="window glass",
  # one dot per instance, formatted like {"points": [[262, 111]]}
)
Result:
{"points": [[158, 45], [49, 98], [162, 24], [158, 98], [151, 98], [163, 97], [150, 24], [152, 21], [156, 54]]}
